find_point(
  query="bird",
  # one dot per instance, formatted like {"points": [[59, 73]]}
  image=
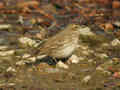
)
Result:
{"points": [[61, 45]]}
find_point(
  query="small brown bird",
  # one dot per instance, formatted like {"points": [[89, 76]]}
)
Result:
{"points": [[63, 44]]}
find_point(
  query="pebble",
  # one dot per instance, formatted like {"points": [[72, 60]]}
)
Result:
{"points": [[11, 69], [85, 52], [6, 53], [3, 41], [73, 59], [3, 47], [117, 23], [86, 31], [5, 26], [28, 41], [105, 45], [20, 63], [115, 42], [83, 47], [86, 78], [99, 68], [26, 55], [102, 55], [60, 64], [53, 70], [29, 60]]}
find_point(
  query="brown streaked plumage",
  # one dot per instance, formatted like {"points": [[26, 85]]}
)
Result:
{"points": [[63, 44]]}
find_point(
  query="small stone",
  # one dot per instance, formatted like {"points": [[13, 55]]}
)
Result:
{"points": [[115, 42], [53, 70], [62, 65], [73, 59], [116, 4], [28, 41], [86, 78], [91, 51], [26, 55], [20, 20], [3, 41], [100, 68], [83, 47], [81, 58], [85, 52], [3, 47], [86, 31], [2, 5], [102, 55], [108, 26], [117, 23], [116, 75], [29, 60], [11, 69], [90, 60], [19, 63], [7, 53], [42, 66], [5, 26], [105, 45], [104, 2], [32, 59]]}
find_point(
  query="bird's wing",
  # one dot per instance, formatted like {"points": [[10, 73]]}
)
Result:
{"points": [[53, 43]]}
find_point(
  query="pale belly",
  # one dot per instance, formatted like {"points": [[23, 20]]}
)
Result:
{"points": [[67, 51]]}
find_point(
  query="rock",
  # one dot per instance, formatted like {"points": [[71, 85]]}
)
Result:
{"points": [[41, 56], [2, 5], [28, 4], [102, 55], [20, 20], [83, 47], [73, 59], [109, 27], [28, 41], [85, 52], [116, 4], [117, 23], [19, 63], [24, 61], [11, 69], [115, 42], [62, 65], [86, 78], [53, 70], [26, 55], [3, 47], [116, 75], [86, 31], [43, 67], [104, 2], [105, 45], [3, 41], [5, 26], [99, 68], [7, 53], [81, 58]]}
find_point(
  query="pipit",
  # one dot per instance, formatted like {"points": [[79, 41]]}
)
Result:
{"points": [[62, 45]]}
